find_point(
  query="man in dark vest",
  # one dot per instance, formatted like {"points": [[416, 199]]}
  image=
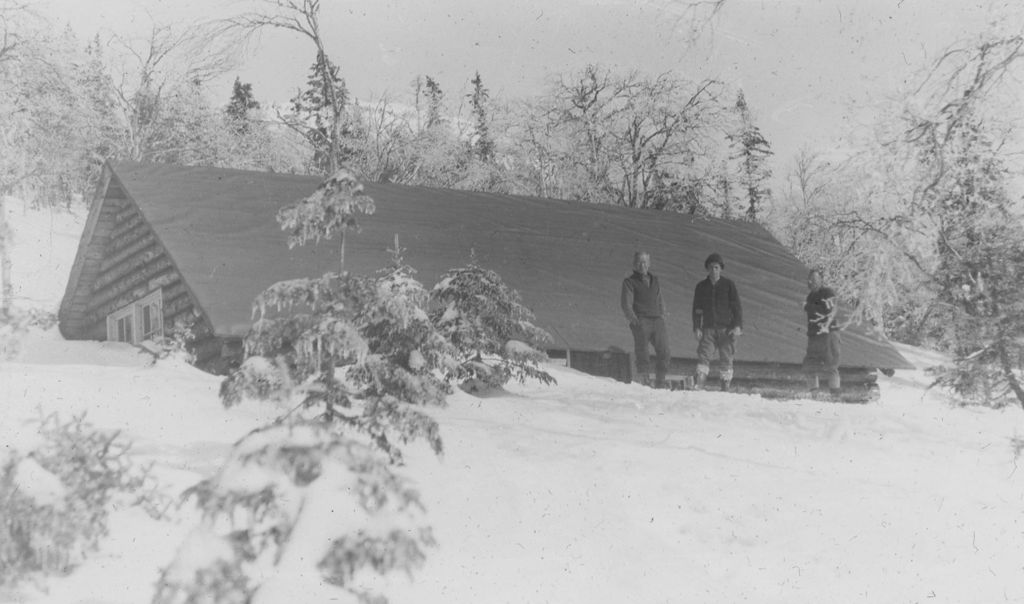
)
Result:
{"points": [[717, 321], [643, 307], [822, 306]]}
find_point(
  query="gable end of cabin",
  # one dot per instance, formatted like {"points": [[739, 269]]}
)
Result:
{"points": [[124, 286]]}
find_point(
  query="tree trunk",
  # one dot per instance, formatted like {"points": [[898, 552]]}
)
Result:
{"points": [[6, 286], [1011, 377], [342, 250]]}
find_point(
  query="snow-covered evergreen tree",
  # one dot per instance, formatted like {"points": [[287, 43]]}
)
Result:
{"points": [[983, 294], [435, 104], [296, 511], [313, 498], [959, 222], [481, 145], [489, 325], [319, 113], [242, 102], [57, 492], [407, 357], [358, 351], [752, 151], [979, 246]]}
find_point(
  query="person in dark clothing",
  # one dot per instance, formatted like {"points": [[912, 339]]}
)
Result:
{"points": [[642, 304], [717, 321], [823, 342]]}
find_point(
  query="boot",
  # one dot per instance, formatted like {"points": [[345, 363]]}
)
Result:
{"points": [[698, 384], [833, 387], [812, 384], [726, 385]]}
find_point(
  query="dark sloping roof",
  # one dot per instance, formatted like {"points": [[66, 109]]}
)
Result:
{"points": [[566, 259]]}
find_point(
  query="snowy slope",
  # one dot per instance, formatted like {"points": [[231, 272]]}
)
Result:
{"points": [[43, 246], [597, 491]]}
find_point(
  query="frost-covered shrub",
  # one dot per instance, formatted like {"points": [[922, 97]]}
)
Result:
{"points": [[256, 377], [982, 301], [55, 498], [295, 505], [14, 322], [490, 327], [176, 344]]}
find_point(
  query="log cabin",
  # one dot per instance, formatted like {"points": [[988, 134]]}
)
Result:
{"points": [[169, 244]]}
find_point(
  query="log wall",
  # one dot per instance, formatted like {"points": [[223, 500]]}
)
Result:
{"points": [[608, 363], [771, 380], [124, 262], [99, 225]]}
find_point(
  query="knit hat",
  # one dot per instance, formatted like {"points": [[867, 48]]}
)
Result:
{"points": [[715, 257]]}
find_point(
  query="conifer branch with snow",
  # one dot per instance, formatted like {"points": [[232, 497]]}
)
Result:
{"points": [[488, 324], [57, 495], [359, 351], [331, 208]]}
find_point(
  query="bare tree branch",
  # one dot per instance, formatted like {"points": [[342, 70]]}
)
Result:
{"points": [[694, 17], [301, 17], [11, 13]]}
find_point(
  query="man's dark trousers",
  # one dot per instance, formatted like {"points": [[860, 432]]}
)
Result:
{"points": [[647, 331]]}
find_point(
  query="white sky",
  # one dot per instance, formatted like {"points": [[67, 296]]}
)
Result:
{"points": [[810, 69]]}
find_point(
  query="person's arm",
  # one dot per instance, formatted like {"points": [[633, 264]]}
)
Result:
{"points": [[697, 314], [737, 309], [819, 308], [823, 311], [661, 299], [831, 304], [626, 299]]}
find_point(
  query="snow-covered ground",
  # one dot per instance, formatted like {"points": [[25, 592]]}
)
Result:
{"points": [[44, 246], [588, 491]]}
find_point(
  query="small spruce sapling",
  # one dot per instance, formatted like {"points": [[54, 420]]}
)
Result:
{"points": [[298, 511], [303, 327], [311, 498], [490, 327], [356, 351], [406, 362], [56, 496], [176, 345], [332, 208], [16, 322]]}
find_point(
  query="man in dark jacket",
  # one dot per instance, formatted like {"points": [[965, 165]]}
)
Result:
{"points": [[717, 321], [821, 306], [642, 304]]}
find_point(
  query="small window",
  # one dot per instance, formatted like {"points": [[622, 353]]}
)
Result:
{"points": [[119, 325], [150, 322], [138, 321], [147, 320], [124, 329]]}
